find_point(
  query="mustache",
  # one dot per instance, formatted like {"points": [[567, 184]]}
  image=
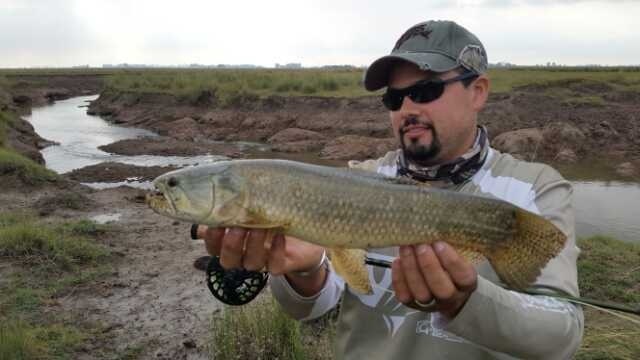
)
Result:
{"points": [[413, 121]]}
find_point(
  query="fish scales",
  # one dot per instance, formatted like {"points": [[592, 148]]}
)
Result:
{"points": [[333, 207], [351, 209]]}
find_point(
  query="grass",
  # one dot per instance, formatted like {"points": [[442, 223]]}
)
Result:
{"points": [[228, 84], [24, 168], [46, 262], [261, 330], [6, 120], [609, 270], [505, 80], [231, 84], [13, 163]]}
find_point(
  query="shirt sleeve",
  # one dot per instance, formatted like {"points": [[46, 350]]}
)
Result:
{"points": [[308, 308], [527, 326]]}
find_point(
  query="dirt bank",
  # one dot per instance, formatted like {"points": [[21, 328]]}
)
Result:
{"points": [[116, 172], [565, 121]]}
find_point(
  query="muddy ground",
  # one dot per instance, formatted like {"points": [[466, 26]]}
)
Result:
{"points": [[154, 299]]}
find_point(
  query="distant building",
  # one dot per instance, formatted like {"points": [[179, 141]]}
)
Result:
{"points": [[289, 66]]}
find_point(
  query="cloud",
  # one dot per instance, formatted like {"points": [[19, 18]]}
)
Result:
{"points": [[41, 32], [73, 32]]}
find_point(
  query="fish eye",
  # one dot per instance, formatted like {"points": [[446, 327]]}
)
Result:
{"points": [[172, 182]]}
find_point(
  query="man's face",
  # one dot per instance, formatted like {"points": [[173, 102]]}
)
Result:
{"points": [[438, 131]]}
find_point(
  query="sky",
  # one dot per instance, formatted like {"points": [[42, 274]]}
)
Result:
{"points": [[60, 33]]}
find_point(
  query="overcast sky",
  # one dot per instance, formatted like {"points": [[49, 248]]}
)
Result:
{"points": [[96, 32]]}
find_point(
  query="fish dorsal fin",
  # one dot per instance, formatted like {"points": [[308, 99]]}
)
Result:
{"points": [[349, 264]]}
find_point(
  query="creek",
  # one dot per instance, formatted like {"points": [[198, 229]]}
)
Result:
{"points": [[608, 207]]}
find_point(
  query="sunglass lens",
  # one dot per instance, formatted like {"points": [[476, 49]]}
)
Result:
{"points": [[427, 92], [392, 100], [418, 93]]}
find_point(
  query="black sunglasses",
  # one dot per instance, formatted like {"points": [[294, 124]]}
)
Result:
{"points": [[423, 91]]}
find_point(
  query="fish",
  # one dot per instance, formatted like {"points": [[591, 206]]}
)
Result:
{"points": [[348, 211]]}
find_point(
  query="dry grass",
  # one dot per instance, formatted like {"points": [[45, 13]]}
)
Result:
{"points": [[46, 261], [261, 330]]}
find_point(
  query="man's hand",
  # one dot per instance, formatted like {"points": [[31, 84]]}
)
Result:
{"points": [[424, 273], [253, 249]]}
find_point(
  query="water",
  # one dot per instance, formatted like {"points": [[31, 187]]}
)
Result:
{"points": [[79, 135], [601, 207], [106, 218], [607, 207]]}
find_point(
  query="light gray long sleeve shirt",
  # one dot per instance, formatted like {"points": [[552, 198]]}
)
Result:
{"points": [[494, 323]]}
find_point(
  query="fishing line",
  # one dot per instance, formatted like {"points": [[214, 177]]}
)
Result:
{"points": [[559, 294]]}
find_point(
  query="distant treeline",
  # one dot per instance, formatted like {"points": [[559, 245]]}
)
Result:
{"points": [[229, 86], [578, 68]]}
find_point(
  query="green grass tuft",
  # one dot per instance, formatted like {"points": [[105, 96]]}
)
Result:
{"points": [[58, 258], [58, 248], [86, 228], [609, 270], [260, 330], [26, 169], [6, 120], [19, 341]]}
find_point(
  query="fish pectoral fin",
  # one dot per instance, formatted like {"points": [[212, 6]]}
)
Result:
{"points": [[349, 264]]}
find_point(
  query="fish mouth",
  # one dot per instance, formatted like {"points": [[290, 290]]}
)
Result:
{"points": [[160, 203]]}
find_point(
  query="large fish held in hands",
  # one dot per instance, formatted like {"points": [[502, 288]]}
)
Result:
{"points": [[348, 211]]}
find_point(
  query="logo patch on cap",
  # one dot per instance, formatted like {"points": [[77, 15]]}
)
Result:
{"points": [[474, 58], [422, 30]]}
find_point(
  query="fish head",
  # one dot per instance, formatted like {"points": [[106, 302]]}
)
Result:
{"points": [[209, 194]]}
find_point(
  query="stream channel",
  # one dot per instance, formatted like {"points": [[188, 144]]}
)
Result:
{"points": [[609, 208]]}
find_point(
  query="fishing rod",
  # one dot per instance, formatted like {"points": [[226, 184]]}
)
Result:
{"points": [[543, 290], [239, 286]]}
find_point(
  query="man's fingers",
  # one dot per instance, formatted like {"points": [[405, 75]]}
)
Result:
{"points": [[413, 275], [461, 272], [276, 262], [232, 248], [212, 238], [255, 254], [399, 283], [436, 277]]}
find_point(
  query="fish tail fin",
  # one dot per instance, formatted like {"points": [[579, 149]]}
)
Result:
{"points": [[349, 264], [536, 241]]}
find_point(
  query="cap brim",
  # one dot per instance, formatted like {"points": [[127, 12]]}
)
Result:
{"points": [[377, 75]]}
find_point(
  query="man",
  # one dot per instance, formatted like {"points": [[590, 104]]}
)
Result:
{"points": [[432, 304]]}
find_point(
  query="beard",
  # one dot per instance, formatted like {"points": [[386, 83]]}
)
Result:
{"points": [[415, 152]]}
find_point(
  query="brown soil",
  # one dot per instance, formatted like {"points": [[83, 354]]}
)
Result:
{"points": [[610, 128], [117, 172], [167, 146]]}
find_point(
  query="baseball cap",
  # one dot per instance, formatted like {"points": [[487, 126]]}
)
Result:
{"points": [[435, 45]]}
